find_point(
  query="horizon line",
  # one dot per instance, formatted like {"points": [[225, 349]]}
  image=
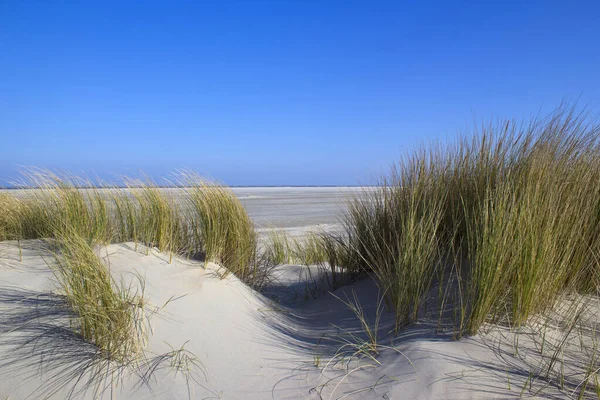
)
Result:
{"points": [[183, 186]]}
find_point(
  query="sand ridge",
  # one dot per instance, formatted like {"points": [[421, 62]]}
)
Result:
{"points": [[245, 345]]}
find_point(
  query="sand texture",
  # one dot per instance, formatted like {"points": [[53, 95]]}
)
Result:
{"points": [[290, 345]]}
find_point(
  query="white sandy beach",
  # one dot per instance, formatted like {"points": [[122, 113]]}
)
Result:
{"points": [[292, 342], [247, 346], [286, 200]]}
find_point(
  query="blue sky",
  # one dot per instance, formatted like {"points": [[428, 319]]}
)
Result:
{"points": [[276, 92]]}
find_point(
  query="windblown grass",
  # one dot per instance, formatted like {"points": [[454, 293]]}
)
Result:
{"points": [[279, 248], [310, 250], [395, 230], [57, 206], [371, 329], [108, 315], [535, 233], [10, 217], [223, 227], [155, 218], [313, 248], [207, 221], [517, 206]]}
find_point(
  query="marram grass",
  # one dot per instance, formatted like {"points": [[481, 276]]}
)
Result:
{"points": [[107, 314], [280, 248], [507, 220], [10, 217], [518, 207], [396, 232], [207, 220], [155, 218], [222, 226]]}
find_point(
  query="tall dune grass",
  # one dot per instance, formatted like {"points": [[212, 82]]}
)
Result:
{"points": [[155, 218], [76, 217], [535, 234], [208, 221], [517, 205], [10, 218], [396, 232], [126, 214], [310, 250], [108, 315], [279, 248], [58, 206], [520, 204], [222, 226]]}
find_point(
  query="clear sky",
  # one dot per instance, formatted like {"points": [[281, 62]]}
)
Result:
{"points": [[276, 92]]}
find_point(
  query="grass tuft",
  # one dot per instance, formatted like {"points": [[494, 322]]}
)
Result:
{"points": [[510, 217], [11, 211], [223, 226], [108, 315]]}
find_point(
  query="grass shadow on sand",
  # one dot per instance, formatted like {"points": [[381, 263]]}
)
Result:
{"points": [[493, 364], [35, 326], [46, 354]]}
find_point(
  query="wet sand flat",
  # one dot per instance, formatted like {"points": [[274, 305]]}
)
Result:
{"points": [[290, 208]]}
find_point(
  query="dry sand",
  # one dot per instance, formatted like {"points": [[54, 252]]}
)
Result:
{"points": [[248, 346], [289, 343]]}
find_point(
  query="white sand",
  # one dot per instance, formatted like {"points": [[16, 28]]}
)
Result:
{"points": [[249, 347]]}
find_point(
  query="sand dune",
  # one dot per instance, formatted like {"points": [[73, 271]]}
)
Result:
{"points": [[245, 345]]}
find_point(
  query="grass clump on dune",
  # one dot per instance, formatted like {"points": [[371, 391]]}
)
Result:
{"points": [[279, 248], [210, 220], [395, 230], [10, 218], [155, 218], [104, 214], [309, 249], [222, 226], [58, 206], [107, 315], [517, 207], [535, 235], [332, 252]]}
